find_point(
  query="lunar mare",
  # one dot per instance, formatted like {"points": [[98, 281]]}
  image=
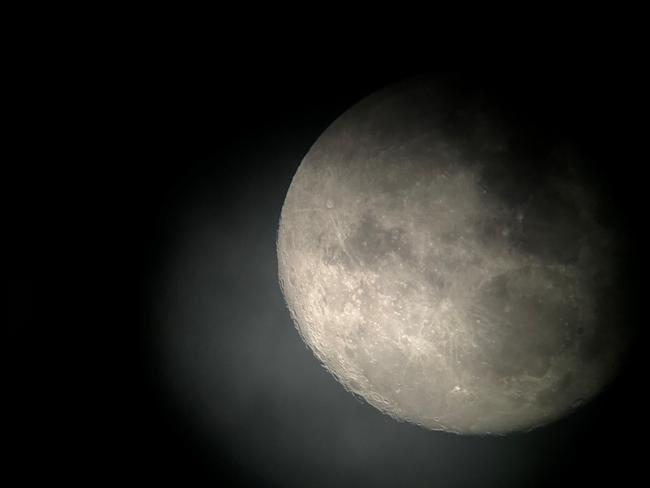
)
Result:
{"points": [[438, 277]]}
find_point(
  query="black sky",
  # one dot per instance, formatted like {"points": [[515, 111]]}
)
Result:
{"points": [[178, 361]]}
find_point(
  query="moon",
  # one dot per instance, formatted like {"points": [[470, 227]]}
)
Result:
{"points": [[450, 267]]}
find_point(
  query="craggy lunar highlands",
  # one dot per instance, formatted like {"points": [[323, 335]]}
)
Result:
{"points": [[447, 266]]}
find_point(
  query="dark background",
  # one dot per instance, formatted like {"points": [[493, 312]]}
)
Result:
{"points": [[158, 345]]}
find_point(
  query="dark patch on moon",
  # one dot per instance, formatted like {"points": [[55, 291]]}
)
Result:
{"points": [[551, 228], [372, 242], [520, 326], [558, 393]]}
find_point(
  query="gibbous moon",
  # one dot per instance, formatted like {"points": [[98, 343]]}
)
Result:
{"points": [[450, 267]]}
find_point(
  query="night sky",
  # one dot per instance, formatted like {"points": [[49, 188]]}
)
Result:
{"points": [[179, 362]]}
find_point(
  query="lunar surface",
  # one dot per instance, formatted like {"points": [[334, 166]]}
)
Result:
{"points": [[448, 267]]}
